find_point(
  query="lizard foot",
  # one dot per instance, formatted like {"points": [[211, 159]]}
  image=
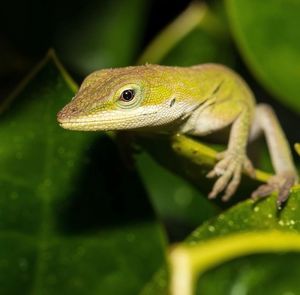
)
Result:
{"points": [[281, 182], [229, 169]]}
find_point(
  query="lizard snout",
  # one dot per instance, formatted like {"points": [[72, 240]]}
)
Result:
{"points": [[66, 114]]}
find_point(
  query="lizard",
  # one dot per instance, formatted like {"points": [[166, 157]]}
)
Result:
{"points": [[194, 101]]}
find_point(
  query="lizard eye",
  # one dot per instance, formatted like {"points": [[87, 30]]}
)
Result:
{"points": [[127, 95]]}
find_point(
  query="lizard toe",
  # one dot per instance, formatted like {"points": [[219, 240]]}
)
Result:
{"points": [[219, 169], [281, 183], [284, 188], [220, 185], [233, 185], [228, 169], [228, 180], [263, 191]]}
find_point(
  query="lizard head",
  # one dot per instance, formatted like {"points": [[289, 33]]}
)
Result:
{"points": [[123, 98]]}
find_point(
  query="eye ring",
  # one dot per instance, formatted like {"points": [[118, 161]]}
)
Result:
{"points": [[127, 95]]}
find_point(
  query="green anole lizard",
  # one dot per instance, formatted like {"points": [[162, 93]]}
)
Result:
{"points": [[196, 101]]}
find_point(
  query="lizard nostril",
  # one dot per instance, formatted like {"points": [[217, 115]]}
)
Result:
{"points": [[73, 110]]}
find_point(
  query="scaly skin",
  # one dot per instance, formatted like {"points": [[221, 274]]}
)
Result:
{"points": [[194, 100]]}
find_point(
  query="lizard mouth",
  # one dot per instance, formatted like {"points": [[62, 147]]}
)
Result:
{"points": [[83, 125], [104, 121], [91, 124]]}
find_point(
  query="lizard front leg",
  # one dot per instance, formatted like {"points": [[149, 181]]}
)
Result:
{"points": [[286, 174], [234, 160]]}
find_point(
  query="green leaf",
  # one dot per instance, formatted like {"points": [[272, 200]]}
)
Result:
{"points": [[73, 219], [268, 231], [268, 37], [253, 216]]}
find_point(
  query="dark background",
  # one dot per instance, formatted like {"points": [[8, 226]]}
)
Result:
{"points": [[29, 28]]}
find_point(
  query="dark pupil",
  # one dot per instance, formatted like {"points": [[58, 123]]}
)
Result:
{"points": [[127, 95]]}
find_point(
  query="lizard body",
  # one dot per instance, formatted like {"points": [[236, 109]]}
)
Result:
{"points": [[197, 100]]}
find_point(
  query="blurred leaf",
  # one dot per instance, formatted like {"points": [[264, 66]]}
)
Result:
{"points": [[246, 275], [268, 36], [277, 273], [107, 34], [72, 217]]}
